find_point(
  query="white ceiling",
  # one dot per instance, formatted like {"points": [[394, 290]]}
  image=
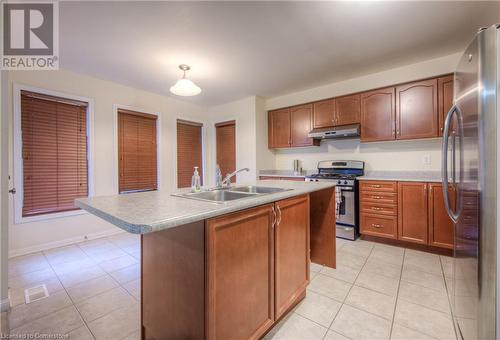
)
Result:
{"points": [[237, 49]]}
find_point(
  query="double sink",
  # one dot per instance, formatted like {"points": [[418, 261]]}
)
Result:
{"points": [[230, 194]]}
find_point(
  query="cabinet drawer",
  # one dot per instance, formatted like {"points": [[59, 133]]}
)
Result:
{"points": [[383, 186], [379, 209], [377, 225], [379, 197]]}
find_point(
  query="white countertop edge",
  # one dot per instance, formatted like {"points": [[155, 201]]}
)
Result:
{"points": [[224, 208]]}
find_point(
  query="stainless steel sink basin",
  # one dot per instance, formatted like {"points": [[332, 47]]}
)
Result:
{"points": [[217, 196], [257, 190]]}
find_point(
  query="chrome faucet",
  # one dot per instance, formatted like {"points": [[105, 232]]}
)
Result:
{"points": [[227, 180], [218, 176]]}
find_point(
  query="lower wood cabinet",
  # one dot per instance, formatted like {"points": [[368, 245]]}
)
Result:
{"points": [[291, 252], [406, 211], [412, 212], [258, 267], [441, 227], [240, 260]]}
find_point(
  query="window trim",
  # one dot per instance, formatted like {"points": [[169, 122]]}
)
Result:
{"points": [[116, 170], [18, 147], [203, 148]]}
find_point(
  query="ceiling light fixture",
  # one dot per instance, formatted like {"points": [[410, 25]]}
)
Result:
{"points": [[185, 87]]}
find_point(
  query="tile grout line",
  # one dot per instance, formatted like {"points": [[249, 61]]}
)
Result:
{"points": [[449, 297], [397, 294], [69, 297], [343, 302]]}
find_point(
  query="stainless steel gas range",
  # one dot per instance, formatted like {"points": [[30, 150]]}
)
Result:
{"points": [[344, 174]]}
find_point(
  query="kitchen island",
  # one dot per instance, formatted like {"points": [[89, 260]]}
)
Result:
{"points": [[224, 271]]}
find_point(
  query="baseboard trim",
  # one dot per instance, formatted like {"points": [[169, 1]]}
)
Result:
{"points": [[4, 305], [62, 243]]}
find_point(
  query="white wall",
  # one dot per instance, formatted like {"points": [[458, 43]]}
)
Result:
{"points": [[33, 236], [4, 206], [394, 155]]}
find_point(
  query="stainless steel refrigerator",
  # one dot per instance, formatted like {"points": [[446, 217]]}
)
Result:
{"points": [[469, 170]]}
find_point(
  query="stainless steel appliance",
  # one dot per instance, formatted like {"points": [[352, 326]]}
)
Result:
{"points": [[345, 131], [470, 187], [344, 173]]}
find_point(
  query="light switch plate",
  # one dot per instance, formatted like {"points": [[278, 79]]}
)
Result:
{"points": [[426, 160]]}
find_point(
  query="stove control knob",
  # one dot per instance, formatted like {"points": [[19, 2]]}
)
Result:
{"points": [[339, 181], [345, 182]]}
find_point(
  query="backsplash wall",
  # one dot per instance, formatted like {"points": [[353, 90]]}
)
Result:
{"points": [[380, 156]]}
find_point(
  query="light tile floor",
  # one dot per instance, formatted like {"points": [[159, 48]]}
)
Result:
{"points": [[376, 292]]}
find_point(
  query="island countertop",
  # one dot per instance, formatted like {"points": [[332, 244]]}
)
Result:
{"points": [[151, 211]]}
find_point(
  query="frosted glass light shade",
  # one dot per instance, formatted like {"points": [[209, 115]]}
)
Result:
{"points": [[185, 87]]}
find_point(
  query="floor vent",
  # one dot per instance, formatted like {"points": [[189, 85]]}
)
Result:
{"points": [[36, 293]]}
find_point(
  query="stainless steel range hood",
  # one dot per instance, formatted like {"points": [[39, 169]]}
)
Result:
{"points": [[345, 131]]}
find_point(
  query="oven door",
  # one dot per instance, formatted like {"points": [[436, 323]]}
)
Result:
{"points": [[346, 207]]}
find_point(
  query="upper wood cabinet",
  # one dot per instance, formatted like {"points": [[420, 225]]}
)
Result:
{"points": [[445, 99], [377, 115], [348, 109], [240, 250], [417, 110], [291, 251], [412, 212], [279, 128], [441, 227], [324, 113], [301, 125]]}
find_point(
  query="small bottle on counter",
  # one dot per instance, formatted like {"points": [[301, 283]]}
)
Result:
{"points": [[196, 181]]}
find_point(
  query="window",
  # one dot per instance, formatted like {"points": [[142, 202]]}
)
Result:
{"points": [[137, 155], [54, 153], [226, 147], [189, 151]]}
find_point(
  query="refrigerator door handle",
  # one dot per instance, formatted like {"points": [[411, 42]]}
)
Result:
{"points": [[454, 215]]}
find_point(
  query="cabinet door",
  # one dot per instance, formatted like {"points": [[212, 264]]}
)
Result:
{"points": [[441, 227], [378, 225], [324, 113], [416, 110], [412, 212], [348, 110], [279, 128], [291, 251], [445, 99], [301, 125], [378, 115], [240, 274]]}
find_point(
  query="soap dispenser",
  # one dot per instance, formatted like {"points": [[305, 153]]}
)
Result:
{"points": [[196, 181]]}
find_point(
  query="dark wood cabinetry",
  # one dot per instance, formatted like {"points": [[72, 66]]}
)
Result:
{"points": [[348, 109], [441, 227], [406, 211], [412, 212], [301, 125], [324, 113], [378, 115], [417, 110], [445, 99], [289, 127], [240, 249], [279, 128], [291, 252]]}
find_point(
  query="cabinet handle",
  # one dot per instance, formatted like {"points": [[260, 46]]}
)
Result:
{"points": [[398, 132], [375, 208], [274, 216], [377, 225], [279, 215], [377, 197], [375, 186]]}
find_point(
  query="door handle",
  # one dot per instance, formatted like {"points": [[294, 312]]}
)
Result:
{"points": [[12, 191], [454, 215]]}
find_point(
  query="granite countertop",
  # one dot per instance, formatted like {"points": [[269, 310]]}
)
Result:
{"points": [[146, 212], [410, 176], [284, 173]]}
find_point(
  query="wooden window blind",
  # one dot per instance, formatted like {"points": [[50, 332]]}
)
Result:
{"points": [[226, 147], [189, 151], [54, 153], [137, 155]]}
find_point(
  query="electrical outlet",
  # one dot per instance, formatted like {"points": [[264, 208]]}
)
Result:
{"points": [[426, 160]]}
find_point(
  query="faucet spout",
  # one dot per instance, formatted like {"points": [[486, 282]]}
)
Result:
{"points": [[227, 179]]}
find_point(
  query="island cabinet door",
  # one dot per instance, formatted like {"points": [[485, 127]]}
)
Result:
{"points": [[412, 212], [291, 252], [240, 269]]}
